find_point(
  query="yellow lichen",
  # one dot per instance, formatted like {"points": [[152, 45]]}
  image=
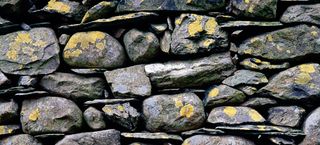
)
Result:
{"points": [[250, 10], [214, 92], [12, 54], [303, 78], [248, 51], [261, 127], [246, 1], [255, 116], [211, 25], [307, 68], [314, 33], [189, 1], [23, 37], [120, 108], [269, 38], [107, 110], [187, 111], [230, 111], [71, 54], [58, 6], [208, 42], [178, 103], [264, 79], [195, 27], [2, 129], [34, 115], [186, 143]]}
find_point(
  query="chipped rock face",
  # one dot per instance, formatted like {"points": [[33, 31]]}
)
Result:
{"points": [[263, 9], [214, 140], [173, 113], [21, 139]]}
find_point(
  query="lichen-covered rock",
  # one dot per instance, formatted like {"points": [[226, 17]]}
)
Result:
{"points": [[259, 9], [30, 52], [223, 95], [245, 77], [248, 90], [216, 140], [173, 113], [191, 73], [94, 49], [301, 82], [302, 14], [94, 118], [229, 115], [72, 86], [129, 82], [141, 47], [257, 64], [104, 137], [50, 115], [6, 130], [286, 115], [21, 139], [197, 34], [100, 10], [290, 43], [311, 128], [122, 114], [8, 111]]}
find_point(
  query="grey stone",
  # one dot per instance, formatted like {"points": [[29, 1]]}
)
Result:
{"points": [[94, 118], [290, 116], [311, 128], [6, 130], [246, 77], [100, 10], [215, 140], [258, 9], [302, 14], [28, 81], [257, 64], [21, 139], [8, 111], [165, 42]]}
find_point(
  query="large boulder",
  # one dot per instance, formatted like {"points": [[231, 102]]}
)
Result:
{"points": [[216, 140]]}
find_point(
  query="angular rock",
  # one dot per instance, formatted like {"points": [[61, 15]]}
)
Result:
{"points": [[141, 47], [89, 71], [76, 87], [50, 115], [122, 114], [256, 9], [165, 42], [191, 73], [100, 10], [259, 102], [28, 81], [292, 43], [234, 115], [129, 82], [197, 34], [223, 95], [215, 140], [32, 52], [21, 139], [257, 64], [248, 90], [311, 128], [173, 113], [302, 14], [282, 141], [94, 49], [159, 137], [8, 111], [159, 28], [9, 129], [104, 137], [290, 116], [3, 79], [94, 118], [245, 77], [301, 82]]}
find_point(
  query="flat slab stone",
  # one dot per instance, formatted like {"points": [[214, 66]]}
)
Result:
{"points": [[302, 14], [159, 136], [214, 140]]}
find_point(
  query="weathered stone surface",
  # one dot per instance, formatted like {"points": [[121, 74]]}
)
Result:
{"points": [[30, 52], [173, 113], [100, 10], [191, 73], [282, 141], [104, 137], [21, 139], [160, 136], [290, 43], [94, 118], [110, 101], [259, 9], [89, 71], [74, 86], [9, 129], [246, 77], [28, 81], [141, 47], [286, 115], [257, 102], [159, 28], [8, 111], [302, 14], [122, 114], [215, 140], [248, 90], [301, 82], [257, 64], [94, 49], [234, 115], [223, 95], [205, 30], [165, 42], [169, 5], [248, 24], [63, 39], [311, 128], [129, 82], [50, 115], [204, 131], [14, 90]]}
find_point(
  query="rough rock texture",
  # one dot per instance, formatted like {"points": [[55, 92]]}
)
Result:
{"points": [[21, 139], [100, 10], [8, 111], [94, 118], [302, 14], [215, 140], [245, 77], [263, 9], [311, 128], [286, 116]]}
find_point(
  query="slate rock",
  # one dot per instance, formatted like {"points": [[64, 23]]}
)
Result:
{"points": [[255, 9], [129, 82], [158, 137], [223, 95], [32, 52], [141, 47], [28, 81], [257, 102], [257, 64], [229, 115], [301, 82], [94, 118], [202, 131], [89, 71], [248, 24], [72, 86], [173, 113], [191, 73], [122, 114], [311, 128], [291, 43], [290, 116], [302, 14], [94, 49], [6, 130], [104, 137], [21, 139], [110, 101], [50, 115], [215, 140], [197, 34], [8, 111], [14, 90], [100, 10], [246, 77]]}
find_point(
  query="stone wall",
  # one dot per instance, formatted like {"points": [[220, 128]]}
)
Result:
{"points": [[159, 72]]}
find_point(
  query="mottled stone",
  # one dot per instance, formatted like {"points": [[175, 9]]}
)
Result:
{"points": [[30, 52], [246, 77], [248, 90], [258, 9], [257, 64], [28, 81], [173, 113], [14, 90], [76, 87], [165, 42], [21, 139], [311, 128], [50, 115], [94, 49], [8, 111], [94, 118], [9, 129], [216, 140], [100, 10], [302, 14], [257, 102], [159, 137], [63, 39], [286, 115]]}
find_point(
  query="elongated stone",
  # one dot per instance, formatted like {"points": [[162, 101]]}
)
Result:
{"points": [[302, 14]]}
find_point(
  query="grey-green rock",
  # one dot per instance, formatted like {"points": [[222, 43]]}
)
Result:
{"points": [[259, 102], [290, 116], [21, 139], [94, 118], [8, 111], [100, 10], [302, 14], [258, 9], [216, 140], [245, 77], [311, 128]]}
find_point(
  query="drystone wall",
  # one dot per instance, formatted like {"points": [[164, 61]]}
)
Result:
{"points": [[159, 72]]}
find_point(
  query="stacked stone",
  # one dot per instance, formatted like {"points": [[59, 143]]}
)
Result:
{"points": [[159, 72]]}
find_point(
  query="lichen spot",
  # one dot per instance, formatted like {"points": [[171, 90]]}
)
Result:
{"points": [[261, 128], [195, 27], [23, 37], [264, 80], [120, 108], [2, 129], [34, 115], [246, 1], [211, 25], [107, 110], [255, 116], [307, 68], [250, 10], [189, 1], [178, 103], [12, 54], [248, 51], [302, 78], [214, 92], [71, 54], [58, 6], [269, 38], [314, 33], [230, 111], [208, 42], [187, 142], [187, 111]]}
